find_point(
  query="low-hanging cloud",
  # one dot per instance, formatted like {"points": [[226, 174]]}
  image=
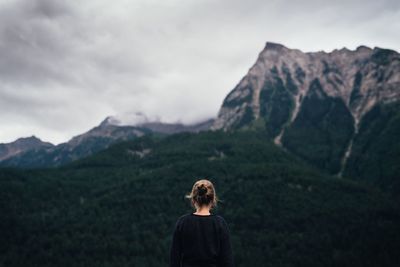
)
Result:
{"points": [[66, 65]]}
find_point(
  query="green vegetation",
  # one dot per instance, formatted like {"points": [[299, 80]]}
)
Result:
{"points": [[375, 155], [291, 86], [276, 105], [355, 93], [246, 119], [321, 131], [300, 74], [119, 206], [384, 56], [255, 125]]}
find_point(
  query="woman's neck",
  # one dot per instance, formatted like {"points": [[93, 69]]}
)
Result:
{"points": [[203, 211]]}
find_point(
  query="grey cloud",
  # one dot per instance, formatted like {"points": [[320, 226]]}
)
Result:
{"points": [[32, 43], [49, 8], [66, 65]]}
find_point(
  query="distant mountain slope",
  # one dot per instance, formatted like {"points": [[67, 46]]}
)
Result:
{"points": [[35, 154], [172, 128], [118, 207], [375, 156], [314, 104], [22, 145]]}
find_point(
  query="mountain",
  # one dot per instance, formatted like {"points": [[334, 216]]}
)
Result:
{"points": [[118, 207], [331, 109], [22, 145], [34, 154], [340, 111], [172, 128]]}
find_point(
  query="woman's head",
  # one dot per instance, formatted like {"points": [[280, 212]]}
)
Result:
{"points": [[203, 194]]}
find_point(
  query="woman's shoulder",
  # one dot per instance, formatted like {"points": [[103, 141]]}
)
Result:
{"points": [[189, 218], [217, 217], [221, 219], [182, 217]]}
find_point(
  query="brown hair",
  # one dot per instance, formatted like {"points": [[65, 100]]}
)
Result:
{"points": [[203, 193]]}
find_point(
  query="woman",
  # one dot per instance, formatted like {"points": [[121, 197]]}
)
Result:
{"points": [[201, 239]]}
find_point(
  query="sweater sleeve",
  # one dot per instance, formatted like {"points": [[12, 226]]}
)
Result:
{"points": [[175, 249], [226, 257]]}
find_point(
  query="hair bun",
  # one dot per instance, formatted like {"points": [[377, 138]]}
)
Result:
{"points": [[202, 190]]}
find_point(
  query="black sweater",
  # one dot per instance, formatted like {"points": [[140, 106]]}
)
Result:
{"points": [[201, 241]]}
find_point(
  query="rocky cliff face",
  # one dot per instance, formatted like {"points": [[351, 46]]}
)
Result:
{"points": [[313, 99]]}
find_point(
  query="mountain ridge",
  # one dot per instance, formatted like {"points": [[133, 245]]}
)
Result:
{"points": [[351, 82], [108, 132], [311, 104], [277, 54], [21, 145]]}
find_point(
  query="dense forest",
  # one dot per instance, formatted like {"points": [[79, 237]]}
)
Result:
{"points": [[119, 206]]}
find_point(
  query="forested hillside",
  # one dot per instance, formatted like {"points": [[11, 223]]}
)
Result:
{"points": [[119, 206]]}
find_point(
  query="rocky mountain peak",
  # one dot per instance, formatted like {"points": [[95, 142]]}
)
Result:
{"points": [[274, 46], [21, 145], [352, 75], [29, 142], [286, 83], [109, 121], [363, 48]]}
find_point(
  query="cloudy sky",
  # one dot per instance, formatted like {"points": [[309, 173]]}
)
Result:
{"points": [[66, 65]]}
